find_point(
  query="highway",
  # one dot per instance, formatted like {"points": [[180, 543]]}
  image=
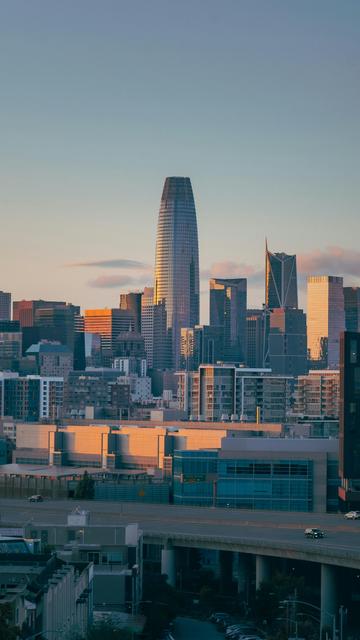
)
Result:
{"points": [[265, 532]]}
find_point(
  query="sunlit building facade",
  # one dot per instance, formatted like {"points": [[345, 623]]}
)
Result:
{"points": [[177, 263], [108, 324], [325, 320]]}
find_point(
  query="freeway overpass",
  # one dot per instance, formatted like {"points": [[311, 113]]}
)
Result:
{"points": [[263, 534], [275, 534]]}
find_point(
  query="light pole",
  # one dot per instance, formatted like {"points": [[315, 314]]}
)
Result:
{"points": [[309, 604], [287, 620]]}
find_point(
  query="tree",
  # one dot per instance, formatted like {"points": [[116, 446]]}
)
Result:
{"points": [[8, 631], [266, 603], [85, 489]]}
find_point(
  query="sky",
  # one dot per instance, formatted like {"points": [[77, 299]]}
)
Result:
{"points": [[257, 101]]}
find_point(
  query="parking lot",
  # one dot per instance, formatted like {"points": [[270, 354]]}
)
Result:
{"points": [[189, 629]]}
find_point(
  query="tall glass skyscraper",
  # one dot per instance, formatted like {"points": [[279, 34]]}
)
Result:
{"points": [[177, 264], [325, 320], [280, 281], [228, 311]]}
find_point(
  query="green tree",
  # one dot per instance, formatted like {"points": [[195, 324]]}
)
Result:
{"points": [[85, 489]]}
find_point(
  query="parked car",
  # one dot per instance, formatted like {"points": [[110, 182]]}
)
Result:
{"points": [[352, 515], [314, 532], [36, 498]]}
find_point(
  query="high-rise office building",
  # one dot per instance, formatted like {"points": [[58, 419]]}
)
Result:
{"points": [[24, 310], [108, 323], [255, 337], [5, 305], [10, 344], [280, 281], [325, 320], [287, 342], [147, 322], [349, 420], [132, 302], [177, 263], [352, 308], [228, 310], [201, 344]]}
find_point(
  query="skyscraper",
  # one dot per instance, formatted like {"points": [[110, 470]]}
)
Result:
{"points": [[177, 263], [108, 323], [5, 305], [132, 302], [25, 310], [147, 322], [325, 320], [280, 281], [352, 308], [287, 342], [228, 310], [349, 423], [201, 344]]}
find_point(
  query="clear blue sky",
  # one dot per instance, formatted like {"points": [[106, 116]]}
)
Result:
{"points": [[258, 101]]}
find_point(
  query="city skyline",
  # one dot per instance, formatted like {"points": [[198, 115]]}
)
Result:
{"points": [[258, 105]]}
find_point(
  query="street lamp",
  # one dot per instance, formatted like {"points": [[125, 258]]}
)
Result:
{"points": [[309, 604]]}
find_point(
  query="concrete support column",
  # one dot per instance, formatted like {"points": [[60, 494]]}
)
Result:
{"points": [[328, 597], [168, 567], [226, 562], [242, 575], [262, 564]]}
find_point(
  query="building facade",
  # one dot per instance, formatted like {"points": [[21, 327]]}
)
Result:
{"points": [[24, 310], [349, 420], [257, 473], [325, 320], [108, 324], [352, 308], [317, 394], [31, 398], [255, 338], [201, 344], [280, 281], [5, 305], [177, 263], [228, 311], [132, 302], [221, 393], [147, 322], [10, 344], [52, 359], [287, 342]]}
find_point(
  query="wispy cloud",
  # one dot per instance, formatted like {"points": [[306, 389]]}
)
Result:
{"points": [[116, 263], [333, 260], [110, 282]]}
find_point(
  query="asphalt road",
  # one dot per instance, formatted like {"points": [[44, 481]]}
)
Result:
{"points": [[263, 526], [189, 629]]}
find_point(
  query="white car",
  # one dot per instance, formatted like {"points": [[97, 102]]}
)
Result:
{"points": [[352, 515]]}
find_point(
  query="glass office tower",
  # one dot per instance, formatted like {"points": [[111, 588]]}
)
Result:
{"points": [[280, 281], [228, 311], [177, 265]]}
